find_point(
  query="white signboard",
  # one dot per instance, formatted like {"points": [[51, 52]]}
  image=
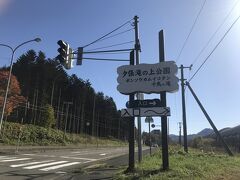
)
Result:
{"points": [[148, 78], [144, 112]]}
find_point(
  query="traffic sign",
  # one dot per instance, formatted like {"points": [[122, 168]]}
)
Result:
{"points": [[148, 78], [149, 119], [144, 103], [144, 112]]}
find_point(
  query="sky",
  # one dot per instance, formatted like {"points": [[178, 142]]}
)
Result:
{"points": [[79, 22]]}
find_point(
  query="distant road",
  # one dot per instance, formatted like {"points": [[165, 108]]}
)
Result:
{"points": [[52, 164]]}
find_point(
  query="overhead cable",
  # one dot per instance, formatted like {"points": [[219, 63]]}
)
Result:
{"points": [[214, 48], [219, 27], [116, 34], [119, 44], [107, 34], [191, 30]]}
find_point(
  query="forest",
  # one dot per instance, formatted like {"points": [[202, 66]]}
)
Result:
{"points": [[42, 93]]}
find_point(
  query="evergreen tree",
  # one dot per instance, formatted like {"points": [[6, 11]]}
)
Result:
{"points": [[47, 118]]}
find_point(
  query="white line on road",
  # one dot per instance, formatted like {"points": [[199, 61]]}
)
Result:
{"points": [[10, 160], [3, 158], [103, 154], [59, 166], [30, 163], [39, 155], [42, 165], [69, 157]]}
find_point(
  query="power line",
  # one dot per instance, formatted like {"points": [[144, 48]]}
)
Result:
{"points": [[105, 59], [219, 27], [117, 34], [191, 30], [119, 44], [107, 34], [214, 48]]}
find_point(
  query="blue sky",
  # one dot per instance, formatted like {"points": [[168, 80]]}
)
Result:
{"points": [[79, 22]]}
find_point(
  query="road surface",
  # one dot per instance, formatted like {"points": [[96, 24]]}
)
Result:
{"points": [[52, 164]]}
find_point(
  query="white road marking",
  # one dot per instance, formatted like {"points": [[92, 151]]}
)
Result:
{"points": [[103, 154], [39, 155], [69, 157], [30, 163], [59, 166], [10, 160], [60, 172], [42, 165], [3, 158]]}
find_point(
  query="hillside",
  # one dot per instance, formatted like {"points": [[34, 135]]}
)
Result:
{"points": [[228, 132], [203, 133]]}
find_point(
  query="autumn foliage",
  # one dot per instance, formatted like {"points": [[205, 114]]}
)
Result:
{"points": [[14, 94]]}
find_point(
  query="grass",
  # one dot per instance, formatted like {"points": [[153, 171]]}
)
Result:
{"points": [[194, 165], [36, 135]]}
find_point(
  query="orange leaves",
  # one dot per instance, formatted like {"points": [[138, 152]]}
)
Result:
{"points": [[14, 93]]}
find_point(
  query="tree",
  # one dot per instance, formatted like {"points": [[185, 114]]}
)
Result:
{"points": [[47, 118], [14, 94]]}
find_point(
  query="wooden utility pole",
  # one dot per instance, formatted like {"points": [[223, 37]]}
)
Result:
{"points": [[131, 162], [210, 121], [165, 158], [185, 143]]}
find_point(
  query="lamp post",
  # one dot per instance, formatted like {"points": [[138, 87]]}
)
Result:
{"points": [[10, 73]]}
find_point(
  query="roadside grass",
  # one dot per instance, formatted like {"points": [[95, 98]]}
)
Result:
{"points": [[39, 136], [192, 165]]}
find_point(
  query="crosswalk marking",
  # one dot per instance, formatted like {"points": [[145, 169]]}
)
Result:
{"points": [[30, 163], [11, 160], [60, 166], [3, 158], [43, 165], [70, 157]]}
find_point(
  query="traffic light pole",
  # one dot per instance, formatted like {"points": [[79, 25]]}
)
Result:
{"points": [[165, 156], [185, 143]]}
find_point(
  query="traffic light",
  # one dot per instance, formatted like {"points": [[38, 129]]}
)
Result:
{"points": [[63, 51], [65, 54], [79, 56], [69, 62]]}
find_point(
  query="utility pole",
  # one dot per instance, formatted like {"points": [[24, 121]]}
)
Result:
{"points": [[210, 121], [94, 104], [150, 140], [165, 156], [137, 50], [185, 143], [65, 128], [131, 162], [180, 133]]}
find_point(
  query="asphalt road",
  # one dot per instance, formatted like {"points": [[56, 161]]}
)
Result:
{"points": [[53, 164]]}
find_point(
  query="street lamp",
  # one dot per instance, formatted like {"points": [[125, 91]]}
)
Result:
{"points": [[10, 73]]}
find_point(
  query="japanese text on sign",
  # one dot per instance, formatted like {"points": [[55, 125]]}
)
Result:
{"points": [[148, 78]]}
